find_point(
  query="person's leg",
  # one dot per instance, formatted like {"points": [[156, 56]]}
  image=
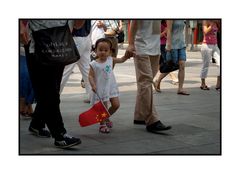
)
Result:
{"points": [[115, 104], [83, 63], [22, 105], [167, 56], [181, 75], [216, 55], [23, 85], [66, 73], [144, 100], [173, 78], [34, 73], [147, 69], [53, 115], [103, 128], [46, 84], [157, 84], [29, 109], [181, 55], [206, 57]]}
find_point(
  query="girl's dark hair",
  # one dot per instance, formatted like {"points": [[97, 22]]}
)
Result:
{"points": [[103, 40]]}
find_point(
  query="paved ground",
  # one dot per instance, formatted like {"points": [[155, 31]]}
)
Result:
{"points": [[195, 119]]}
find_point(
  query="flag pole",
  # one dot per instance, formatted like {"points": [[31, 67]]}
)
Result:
{"points": [[102, 103]]}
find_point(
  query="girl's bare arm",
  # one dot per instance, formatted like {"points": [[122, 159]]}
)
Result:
{"points": [[91, 78]]}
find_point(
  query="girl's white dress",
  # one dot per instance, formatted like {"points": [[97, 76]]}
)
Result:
{"points": [[105, 80]]}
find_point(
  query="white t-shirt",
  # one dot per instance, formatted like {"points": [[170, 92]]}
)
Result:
{"points": [[147, 40]]}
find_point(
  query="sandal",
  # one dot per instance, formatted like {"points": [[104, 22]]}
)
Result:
{"points": [[204, 87], [104, 129], [175, 82], [109, 124]]}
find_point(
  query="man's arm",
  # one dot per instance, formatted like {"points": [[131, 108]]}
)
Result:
{"points": [[131, 39], [133, 30]]}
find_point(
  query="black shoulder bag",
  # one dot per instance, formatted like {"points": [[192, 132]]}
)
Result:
{"points": [[55, 46], [168, 65]]}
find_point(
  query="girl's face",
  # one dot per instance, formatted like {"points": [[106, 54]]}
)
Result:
{"points": [[103, 50]]}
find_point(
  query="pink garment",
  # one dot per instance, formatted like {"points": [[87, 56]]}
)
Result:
{"points": [[164, 38], [211, 36]]}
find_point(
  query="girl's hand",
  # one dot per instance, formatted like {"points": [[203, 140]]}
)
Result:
{"points": [[128, 54]]}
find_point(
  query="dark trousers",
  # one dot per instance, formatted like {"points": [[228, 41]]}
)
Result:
{"points": [[163, 53], [46, 82]]}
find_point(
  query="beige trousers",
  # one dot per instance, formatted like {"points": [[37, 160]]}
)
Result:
{"points": [[146, 68]]}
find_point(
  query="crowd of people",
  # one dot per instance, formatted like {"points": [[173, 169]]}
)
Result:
{"points": [[97, 43]]}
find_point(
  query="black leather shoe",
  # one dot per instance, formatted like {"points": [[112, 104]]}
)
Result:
{"points": [[139, 122], [157, 126]]}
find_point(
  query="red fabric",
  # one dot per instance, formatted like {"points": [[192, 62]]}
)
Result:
{"points": [[94, 115]]}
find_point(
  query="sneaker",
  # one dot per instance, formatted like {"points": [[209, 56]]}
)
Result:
{"points": [[42, 132], [67, 142]]}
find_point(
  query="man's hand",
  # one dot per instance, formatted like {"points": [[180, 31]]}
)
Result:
{"points": [[131, 50]]}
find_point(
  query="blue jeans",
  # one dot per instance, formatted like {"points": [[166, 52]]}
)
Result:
{"points": [[176, 55]]}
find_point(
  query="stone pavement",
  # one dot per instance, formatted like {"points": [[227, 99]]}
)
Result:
{"points": [[195, 119]]}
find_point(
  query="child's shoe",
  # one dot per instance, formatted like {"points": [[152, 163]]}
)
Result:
{"points": [[104, 129], [109, 124]]}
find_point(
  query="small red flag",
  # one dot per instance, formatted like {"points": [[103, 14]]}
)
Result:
{"points": [[97, 113]]}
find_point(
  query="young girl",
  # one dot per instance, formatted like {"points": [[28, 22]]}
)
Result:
{"points": [[102, 79]]}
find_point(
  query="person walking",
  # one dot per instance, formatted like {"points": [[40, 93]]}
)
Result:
{"points": [[209, 49], [102, 79], [176, 51], [46, 82], [82, 40], [25, 91], [97, 31], [163, 40], [144, 43], [111, 29]]}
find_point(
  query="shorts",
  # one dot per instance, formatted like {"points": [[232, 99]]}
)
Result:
{"points": [[176, 54]]}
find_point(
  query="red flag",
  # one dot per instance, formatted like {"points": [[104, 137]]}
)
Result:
{"points": [[94, 115]]}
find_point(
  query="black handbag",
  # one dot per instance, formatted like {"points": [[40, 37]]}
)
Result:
{"points": [[55, 46], [120, 37], [167, 65]]}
